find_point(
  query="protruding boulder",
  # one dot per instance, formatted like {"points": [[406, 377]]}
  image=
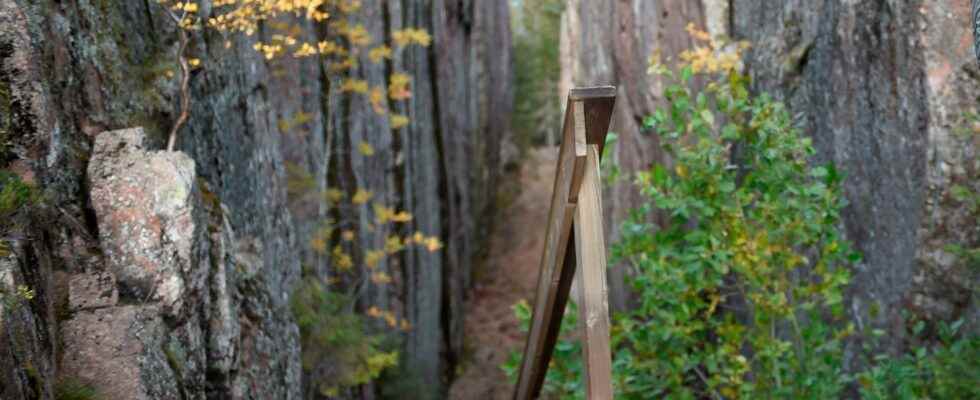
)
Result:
{"points": [[144, 202]]}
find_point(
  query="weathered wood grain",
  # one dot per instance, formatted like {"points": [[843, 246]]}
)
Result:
{"points": [[571, 162], [587, 110], [590, 251]]}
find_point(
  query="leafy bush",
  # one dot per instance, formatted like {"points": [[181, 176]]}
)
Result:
{"points": [[738, 287], [739, 282], [14, 194], [565, 370], [949, 369], [339, 351], [15, 197]]}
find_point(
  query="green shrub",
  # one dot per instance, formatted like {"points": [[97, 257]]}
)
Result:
{"points": [[565, 370], [738, 288], [949, 369], [339, 351], [14, 194]]}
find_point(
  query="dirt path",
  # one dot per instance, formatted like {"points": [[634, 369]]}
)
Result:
{"points": [[511, 274]]}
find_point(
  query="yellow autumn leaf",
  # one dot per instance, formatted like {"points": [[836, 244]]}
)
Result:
{"points": [[377, 100], [379, 53], [354, 85], [398, 121], [398, 86], [390, 319], [393, 244], [402, 216], [433, 244], [361, 196], [373, 257], [681, 171], [380, 278], [342, 260], [365, 149]]}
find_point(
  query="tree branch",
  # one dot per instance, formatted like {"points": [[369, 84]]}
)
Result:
{"points": [[185, 77]]}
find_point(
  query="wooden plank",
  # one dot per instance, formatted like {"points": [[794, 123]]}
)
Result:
{"points": [[591, 279], [571, 165], [586, 123]]}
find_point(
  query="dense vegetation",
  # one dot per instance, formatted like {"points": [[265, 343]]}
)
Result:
{"points": [[537, 110], [737, 265]]}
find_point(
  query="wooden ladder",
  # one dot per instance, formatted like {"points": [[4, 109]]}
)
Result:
{"points": [[575, 217]]}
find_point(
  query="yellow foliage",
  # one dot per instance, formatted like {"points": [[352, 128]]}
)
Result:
{"points": [[409, 36], [713, 58], [320, 238], [390, 319], [329, 48], [347, 235], [377, 99], [334, 195], [393, 244], [401, 216], [380, 278], [399, 121], [358, 36], [378, 362], [365, 149], [373, 257], [379, 53], [398, 86], [346, 64], [354, 85], [433, 244], [342, 260], [384, 214], [361, 196]]}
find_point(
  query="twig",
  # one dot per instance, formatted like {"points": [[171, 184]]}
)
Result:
{"points": [[184, 78]]}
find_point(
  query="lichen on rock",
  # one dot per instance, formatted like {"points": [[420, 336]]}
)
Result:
{"points": [[144, 202]]}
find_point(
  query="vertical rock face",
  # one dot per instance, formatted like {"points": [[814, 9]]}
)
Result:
{"points": [[187, 265], [167, 315], [882, 86], [442, 168], [858, 76]]}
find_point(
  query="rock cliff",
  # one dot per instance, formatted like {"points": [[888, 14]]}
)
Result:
{"points": [[168, 275]]}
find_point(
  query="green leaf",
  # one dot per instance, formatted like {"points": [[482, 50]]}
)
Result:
{"points": [[708, 117], [726, 187], [686, 73], [729, 132], [659, 176]]}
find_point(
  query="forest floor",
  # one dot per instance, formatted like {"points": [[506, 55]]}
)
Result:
{"points": [[509, 276]]}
